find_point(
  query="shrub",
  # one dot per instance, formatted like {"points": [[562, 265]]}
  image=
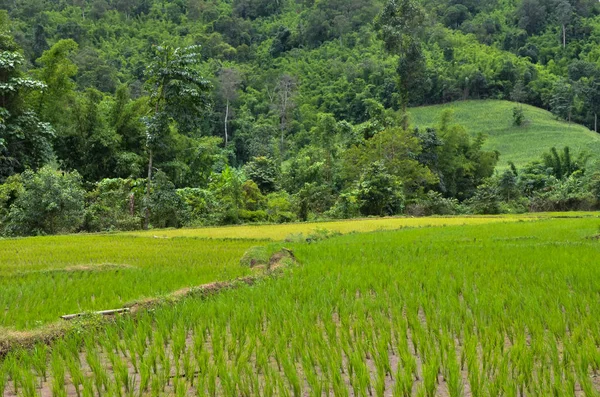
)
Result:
{"points": [[518, 116], [279, 208], [113, 205], [346, 206], [264, 172], [379, 192], [50, 202], [486, 199], [313, 199], [253, 216], [434, 203], [167, 209], [9, 192], [200, 206], [564, 195]]}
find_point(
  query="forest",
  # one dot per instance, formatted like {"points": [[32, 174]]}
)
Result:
{"points": [[122, 115]]}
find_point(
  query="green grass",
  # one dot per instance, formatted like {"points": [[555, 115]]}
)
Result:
{"points": [[517, 144], [44, 277], [493, 309], [283, 231]]}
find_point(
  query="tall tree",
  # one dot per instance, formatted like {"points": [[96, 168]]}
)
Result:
{"points": [[25, 141], [57, 71], [400, 26], [564, 15], [177, 96], [229, 86], [285, 92], [562, 101]]}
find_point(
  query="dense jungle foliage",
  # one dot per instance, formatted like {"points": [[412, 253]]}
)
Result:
{"points": [[120, 114]]}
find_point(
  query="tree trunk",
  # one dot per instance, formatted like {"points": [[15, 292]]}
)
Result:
{"points": [[149, 184], [595, 122], [226, 120], [564, 30], [282, 135]]}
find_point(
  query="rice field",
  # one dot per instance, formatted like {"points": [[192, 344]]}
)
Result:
{"points": [[43, 278], [492, 309], [283, 231]]}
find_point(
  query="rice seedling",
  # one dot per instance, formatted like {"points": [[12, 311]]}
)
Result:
{"points": [[487, 310], [45, 277]]}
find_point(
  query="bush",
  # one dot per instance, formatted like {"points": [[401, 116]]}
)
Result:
{"points": [[346, 206], [113, 205], [9, 192], [200, 206], [264, 172], [279, 208], [253, 216], [50, 202], [313, 199], [167, 209], [564, 195], [518, 116], [434, 204], [379, 192], [486, 199]]}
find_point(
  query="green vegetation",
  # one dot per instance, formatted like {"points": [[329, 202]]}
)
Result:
{"points": [[516, 144], [45, 277], [491, 309], [214, 112]]}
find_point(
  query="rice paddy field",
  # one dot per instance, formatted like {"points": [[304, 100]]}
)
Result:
{"points": [[486, 309], [43, 278]]}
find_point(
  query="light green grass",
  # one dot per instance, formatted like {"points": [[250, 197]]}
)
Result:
{"points": [[44, 277], [491, 309], [283, 231], [517, 144]]}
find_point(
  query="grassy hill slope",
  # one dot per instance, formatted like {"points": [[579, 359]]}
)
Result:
{"points": [[517, 144]]}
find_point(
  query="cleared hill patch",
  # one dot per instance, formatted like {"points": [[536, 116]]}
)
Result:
{"points": [[517, 144]]}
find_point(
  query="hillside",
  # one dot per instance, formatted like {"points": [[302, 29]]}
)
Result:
{"points": [[517, 144]]}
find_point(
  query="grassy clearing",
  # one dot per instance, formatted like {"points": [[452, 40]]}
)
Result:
{"points": [[517, 144], [45, 277], [492, 309]]}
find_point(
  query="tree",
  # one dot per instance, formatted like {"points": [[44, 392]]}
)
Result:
{"points": [[25, 141], [400, 26], [264, 172], [462, 164], [380, 192], [398, 151], [285, 92], [532, 16], [591, 98], [177, 98], [564, 14], [518, 94], [563, 165], [562, 101], [57, 71], [229, 85], [455, 15]]}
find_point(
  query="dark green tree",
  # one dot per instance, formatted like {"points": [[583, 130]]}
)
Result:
{"points": [[25, 141], [562, 101], [380, 192], [177, 98], [51, 202], [400, 26]]}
